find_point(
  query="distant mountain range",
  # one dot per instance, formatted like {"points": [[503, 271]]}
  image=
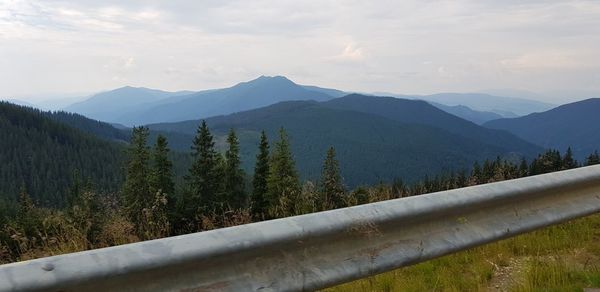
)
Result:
{"points": [[136, 106], [115, 105], [504, 106], [243, 96], [575, 125], [376, 138], [464, 112]]}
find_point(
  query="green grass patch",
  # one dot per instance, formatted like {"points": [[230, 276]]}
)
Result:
{"points": [[564, 257]]}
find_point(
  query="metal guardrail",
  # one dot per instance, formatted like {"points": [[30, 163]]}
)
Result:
{"points": [[321, 249]]}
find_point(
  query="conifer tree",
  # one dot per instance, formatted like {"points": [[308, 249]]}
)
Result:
{"points": [[26, 205], [523, 168], [476, 175], [75, 189], [162, 189], [234, 175], [204, 180], [568, 162], [162, 168], [136, 189], [28, 218], [283, 184], [259, 182], [593, 159], [331, 189]]}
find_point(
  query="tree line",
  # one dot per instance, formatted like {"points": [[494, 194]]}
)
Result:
{"points": [[216, 186], [216, 193]]}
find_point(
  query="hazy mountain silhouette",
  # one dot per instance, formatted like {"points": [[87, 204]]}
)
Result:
{"points": [[575, 124]]}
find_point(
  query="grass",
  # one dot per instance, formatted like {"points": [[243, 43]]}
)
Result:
{"points": [[564, 257]]}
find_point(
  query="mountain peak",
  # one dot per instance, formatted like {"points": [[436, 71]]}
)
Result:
{"points": [[271, 80]]}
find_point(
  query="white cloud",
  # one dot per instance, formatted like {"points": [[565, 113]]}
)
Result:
{"points": [[65, 46], [350, 53]]}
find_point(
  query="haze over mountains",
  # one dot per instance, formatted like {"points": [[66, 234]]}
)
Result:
{"points": [[113, 105], [136, 106], [377, 138], [407, 138], [477, 117], [575, 125], [508, 107]]}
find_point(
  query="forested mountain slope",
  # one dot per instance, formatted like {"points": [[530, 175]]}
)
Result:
{"points": [[466, 113], [42, 155], [422, 113], [575, 125], [370, 147]]}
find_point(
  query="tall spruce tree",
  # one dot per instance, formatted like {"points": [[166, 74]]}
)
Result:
{"points": [[523, 168], [568, 161], [162, 168], [162, 187], [331, 186], [593, 159], [204, 180], [259, 183], [234, 175], [283, 184], [136, 189], [476, 174]]}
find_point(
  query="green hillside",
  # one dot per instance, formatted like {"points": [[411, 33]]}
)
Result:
{"points": [[371, 148], [42, 155], [575, 125]]}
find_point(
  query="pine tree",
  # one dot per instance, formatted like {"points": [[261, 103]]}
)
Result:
{"points": [[523, 168], [75, 189], [283, 184], [26, 205], [476, 175], [205, 183], [259, 183], [568, 162], [593, 159], [331, 189], [136, 190], [234, 175], [162, 168], [162, 189], [27, 217]]}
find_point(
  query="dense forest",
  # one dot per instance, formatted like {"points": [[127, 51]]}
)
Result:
{"points": [[216, 192], [376, 138], [41, 155]]}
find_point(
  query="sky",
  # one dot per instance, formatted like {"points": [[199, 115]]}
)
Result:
{"points": [[547, 50]]}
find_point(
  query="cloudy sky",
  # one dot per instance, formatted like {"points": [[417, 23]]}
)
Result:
{"points": [[412, 47]]}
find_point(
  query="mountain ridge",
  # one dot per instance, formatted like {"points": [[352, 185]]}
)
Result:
{"points": [[575, 125]]}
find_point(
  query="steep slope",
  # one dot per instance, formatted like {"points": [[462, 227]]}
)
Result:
{"points": [[256, 93], [576, 125], [20, 102], [110, 106], [420, 112], [42, 155], [465, 113], [371, 147], [97, 128], [328, 91]]}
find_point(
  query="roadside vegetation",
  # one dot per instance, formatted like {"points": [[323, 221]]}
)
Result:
{"points": [[564, 257], [217, 193]]}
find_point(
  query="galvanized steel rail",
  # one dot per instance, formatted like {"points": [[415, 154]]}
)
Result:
{"points": [[322, 249]]}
